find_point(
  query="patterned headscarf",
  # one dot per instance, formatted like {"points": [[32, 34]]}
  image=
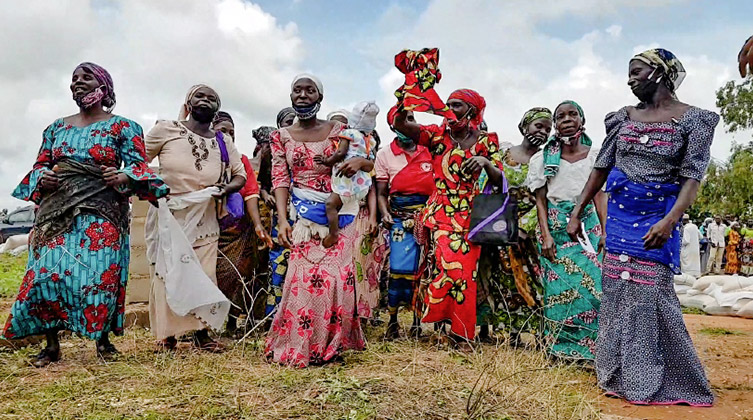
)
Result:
{"points": [[553, 146], [223, 116], [263, 134], [673, 68], [472, 98], [284, 114], [104, 79], [185, 109], [532, 115]]}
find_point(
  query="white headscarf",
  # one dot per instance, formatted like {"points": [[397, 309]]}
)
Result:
{"points": [[311, 77], [363, 117], [185, 109], [339, 113]]}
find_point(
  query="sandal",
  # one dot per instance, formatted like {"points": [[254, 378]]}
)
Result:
{"points": [[45, 357], [107, 351], [210, 346], [168, 344]]}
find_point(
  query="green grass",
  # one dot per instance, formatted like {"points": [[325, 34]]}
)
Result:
{"points": [[11, 274], [719, 331], [692, 311]]}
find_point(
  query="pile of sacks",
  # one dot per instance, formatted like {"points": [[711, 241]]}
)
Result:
{"points": [[716, 295], [15, 245]]}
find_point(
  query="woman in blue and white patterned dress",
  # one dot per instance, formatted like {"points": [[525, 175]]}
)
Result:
{"points": [[652, 162]]}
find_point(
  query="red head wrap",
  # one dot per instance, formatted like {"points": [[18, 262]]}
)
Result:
{"points": [[391, 115], [472, 98]]}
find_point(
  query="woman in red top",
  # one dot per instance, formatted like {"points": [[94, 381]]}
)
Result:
{"points": [[460, 151]]}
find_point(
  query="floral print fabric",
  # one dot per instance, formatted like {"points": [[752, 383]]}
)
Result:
{"points": [[77, 280]]}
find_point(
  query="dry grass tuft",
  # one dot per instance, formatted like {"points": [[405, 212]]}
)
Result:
{"points": [[405, 379]]}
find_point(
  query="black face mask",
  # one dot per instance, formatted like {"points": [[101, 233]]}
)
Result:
{"points": [[203, 114], [647, 88]]}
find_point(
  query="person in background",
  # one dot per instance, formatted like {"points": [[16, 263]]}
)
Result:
{"points": [[278, 255], [192, 159], [652, 162], [510, 290], [87, 167], [404, 183], [239, 249], [733, 246], [341, 116], [716, 233], [745, 58], [690, 256], [746, 252], [704, 243]]}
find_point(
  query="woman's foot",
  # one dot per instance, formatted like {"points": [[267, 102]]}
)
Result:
{"points": [[168, 344], [330, 240], [46, 356], [393, 331], [107, 350], [415, 331], [202, 342]]}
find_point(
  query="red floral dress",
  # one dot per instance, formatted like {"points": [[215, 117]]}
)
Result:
{"points": [[452, 293], [317, 318], [77, 280]]}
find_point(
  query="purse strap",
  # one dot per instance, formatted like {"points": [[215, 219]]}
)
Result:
{"points": [[499, 211], [224, 155]]}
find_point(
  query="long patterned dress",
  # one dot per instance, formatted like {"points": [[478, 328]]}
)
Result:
{"points": [[733, 260], [572, 282], [645, 354], [510, 290], [452, 293], [77, 280], [317, 318]]}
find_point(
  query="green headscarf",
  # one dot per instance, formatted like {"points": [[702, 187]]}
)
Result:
{"points": [[532, 115], [553, 146]]}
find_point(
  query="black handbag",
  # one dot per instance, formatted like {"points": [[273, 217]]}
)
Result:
{"points": [[494, 217]]}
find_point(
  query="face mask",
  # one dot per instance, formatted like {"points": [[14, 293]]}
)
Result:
{"points": [[91, 98], [536, 141], [203, 115], [403, 139], [646, 89], [569, 140], [306, 112], [463, 121]]}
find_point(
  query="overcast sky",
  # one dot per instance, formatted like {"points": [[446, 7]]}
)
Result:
{"points": [[515, 54]]}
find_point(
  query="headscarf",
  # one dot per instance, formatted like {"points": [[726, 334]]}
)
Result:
{"points": [[185, 109], [532, 115], [263, 134], [363, 117], [673, 68], [284, 114], [472, 98], [104, 79], [553, 146], [339, 113], [311, 77], [223, 116]]}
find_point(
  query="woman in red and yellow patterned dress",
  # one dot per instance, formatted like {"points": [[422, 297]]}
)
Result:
{"points": [[460, 151]]}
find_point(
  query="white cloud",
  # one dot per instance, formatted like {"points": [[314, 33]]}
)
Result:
{"points": [[154, 50]]}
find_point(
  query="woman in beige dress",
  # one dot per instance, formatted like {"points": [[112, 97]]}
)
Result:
{"points": [[190, 159]]}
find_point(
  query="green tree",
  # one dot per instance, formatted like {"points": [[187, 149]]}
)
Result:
{"points": [[736, 104]]}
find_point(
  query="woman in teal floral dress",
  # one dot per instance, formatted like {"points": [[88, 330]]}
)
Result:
{"points": [[571, 270], [88, 165], [509, 290]]}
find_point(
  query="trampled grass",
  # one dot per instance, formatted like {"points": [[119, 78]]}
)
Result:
{"points": [[405, 379]]}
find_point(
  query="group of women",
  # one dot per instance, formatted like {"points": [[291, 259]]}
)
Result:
{"points": [[588, 295]]}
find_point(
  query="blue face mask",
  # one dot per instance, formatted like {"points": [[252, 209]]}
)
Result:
{"points": [[306, 112]]}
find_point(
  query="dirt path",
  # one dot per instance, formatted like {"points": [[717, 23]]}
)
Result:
{"points": [[728, 359]]}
